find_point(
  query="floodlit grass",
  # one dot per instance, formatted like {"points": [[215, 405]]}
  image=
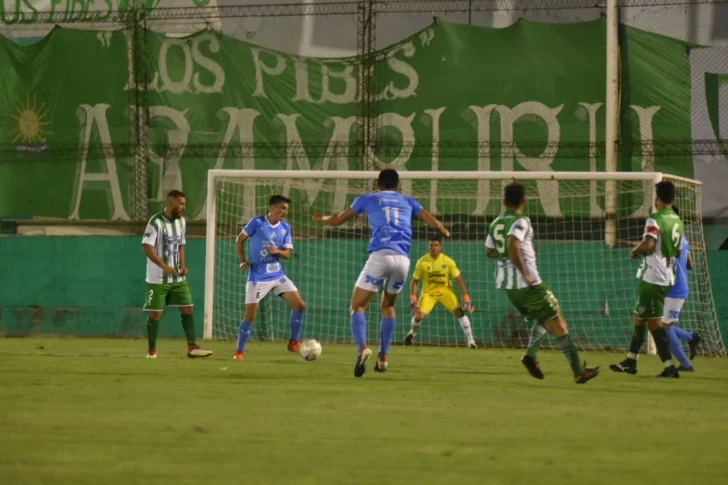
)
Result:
{"points": [[87, 411]]}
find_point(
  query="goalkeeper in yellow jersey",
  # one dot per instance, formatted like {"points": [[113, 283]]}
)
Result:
{"points": [[436, 270]]}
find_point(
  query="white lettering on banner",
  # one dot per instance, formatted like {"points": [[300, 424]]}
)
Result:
{"points": [[434, 115], [346, 74], [591, 109], [193, 57], [168, 164], [391, 91], [90, 118], [240, 121], [337, 151], [482, 125], [261, 68], [404, 125]]}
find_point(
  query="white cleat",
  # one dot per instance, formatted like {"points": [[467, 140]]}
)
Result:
{"points": [[151, 356], [472, 345]]}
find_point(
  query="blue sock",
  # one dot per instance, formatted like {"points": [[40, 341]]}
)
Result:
{"points": [[296, 324], [244, 334], [386, 334], [683, 335], [359, 330], [676, 347]]}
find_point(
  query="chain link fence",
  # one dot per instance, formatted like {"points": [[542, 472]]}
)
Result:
{"points": [[158, 92]]}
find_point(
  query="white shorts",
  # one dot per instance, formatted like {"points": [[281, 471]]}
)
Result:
{"points": [[384, 268], [256, 290], [672, 309]]}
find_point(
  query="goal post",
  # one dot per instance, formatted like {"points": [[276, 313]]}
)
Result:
{"points": [[582, 253]]}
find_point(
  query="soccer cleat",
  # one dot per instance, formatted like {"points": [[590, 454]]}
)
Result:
{"points": [[682, 368], [152, 354], [361, 360], [587, 374], [381, 364], [670, 372], [628, 366], [532, 367], [693, 345], [473, 345], [409, 338], [194, 352], [294, 345], [239, 356]]}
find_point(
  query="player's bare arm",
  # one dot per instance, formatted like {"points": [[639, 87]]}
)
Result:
{"points": [[492, 253], [182, 261], [467, 303], [645, 247], [433, 223], [240, 248], [151, 253], [284, 253], [515, 255], [414, 287], [691, 264], [335, 220]]}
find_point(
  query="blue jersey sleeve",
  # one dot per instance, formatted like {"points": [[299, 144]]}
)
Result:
{"points": [[416, 206], [288, 238], [251, 227], [359, 205]]}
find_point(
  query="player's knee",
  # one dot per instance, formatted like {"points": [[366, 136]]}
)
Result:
{"points": [[187, 310], [458, 312], [156, 315], [299, 305]]}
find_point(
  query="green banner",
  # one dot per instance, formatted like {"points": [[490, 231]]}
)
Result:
{"points": [[452, 97]]}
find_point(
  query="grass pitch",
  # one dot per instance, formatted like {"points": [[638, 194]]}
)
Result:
{"points": [[86, 411]]}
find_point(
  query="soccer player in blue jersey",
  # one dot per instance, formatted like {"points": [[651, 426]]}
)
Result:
{"points": [[390, 217], [674, 302], [270, 240]]}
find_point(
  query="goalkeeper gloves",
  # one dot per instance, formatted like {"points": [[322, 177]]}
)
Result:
{"points": [[413, 302], [468, 304]]}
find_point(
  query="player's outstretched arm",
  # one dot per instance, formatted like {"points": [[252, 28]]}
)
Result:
{"points": [[432, 222], [691, 264], [240, 248], [336, 220], [516, 257], [151, 253], [414, 286], [645, 247]]}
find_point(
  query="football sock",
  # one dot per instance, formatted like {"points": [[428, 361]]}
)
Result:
{"points": [[359, 330], [638, 338], [683, 335], [243, 334], [663, 347], [571, 353], [188, 324], [676, 347], [152, 331], [465, 325], [296, 325], [415, 325], [535, 338], [386, 334]]}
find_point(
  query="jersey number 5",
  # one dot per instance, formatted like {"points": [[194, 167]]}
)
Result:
{"points": [[676, 234], [391, 214], [500, 242]]}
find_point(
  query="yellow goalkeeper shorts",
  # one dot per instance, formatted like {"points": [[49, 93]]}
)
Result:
{"points": [[448, 299]]}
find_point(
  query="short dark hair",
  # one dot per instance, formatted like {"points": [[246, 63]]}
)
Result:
{"points": [[176, 194], [279, 199], [675, 209], [665, 191], [437, 238], [514, 194], [388, 179]]}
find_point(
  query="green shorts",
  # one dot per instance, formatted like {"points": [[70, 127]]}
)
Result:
{"points": [[535, 303], [651, 301], [167, 294]]}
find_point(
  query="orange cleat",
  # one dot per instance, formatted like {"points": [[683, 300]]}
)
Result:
{"points": [[294, 345], [239, 356]]}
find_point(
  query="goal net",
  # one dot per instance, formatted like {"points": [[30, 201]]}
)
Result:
{"points": [[583, 254]]}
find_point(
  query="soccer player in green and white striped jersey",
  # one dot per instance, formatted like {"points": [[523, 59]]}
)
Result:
{"points": [[510, 241], [164, 246], [661, 244]]}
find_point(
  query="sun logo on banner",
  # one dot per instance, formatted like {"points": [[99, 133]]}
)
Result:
{"points": [[30, 121]]}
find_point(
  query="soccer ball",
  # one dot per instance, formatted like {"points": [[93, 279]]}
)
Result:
{"points": [[310, 349]]}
